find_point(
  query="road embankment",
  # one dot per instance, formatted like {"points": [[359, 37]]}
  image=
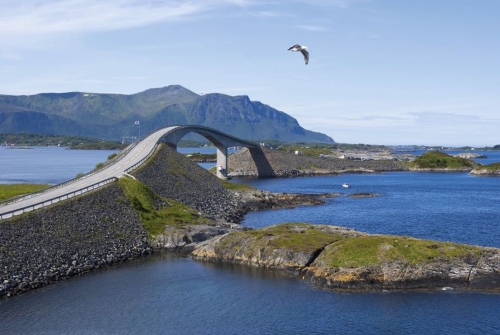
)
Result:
{"points": [[69, 239]]}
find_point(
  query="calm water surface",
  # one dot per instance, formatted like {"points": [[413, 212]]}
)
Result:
{"points": [[168, 295]]}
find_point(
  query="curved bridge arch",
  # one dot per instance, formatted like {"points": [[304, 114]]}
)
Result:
{"points": [[222, 142]]}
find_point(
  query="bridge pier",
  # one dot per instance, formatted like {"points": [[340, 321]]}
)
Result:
{"points": [[222, 162], [221, 141]]}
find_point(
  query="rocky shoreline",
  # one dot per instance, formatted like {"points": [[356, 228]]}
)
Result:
{"points": [[102, 228], [266, 163], [317, 247]]}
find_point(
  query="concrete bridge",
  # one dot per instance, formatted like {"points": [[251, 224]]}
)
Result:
{"points": [[126, 161], [221, 141]]}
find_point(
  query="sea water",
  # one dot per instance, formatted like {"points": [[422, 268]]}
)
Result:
{"points": [[164, 294]]}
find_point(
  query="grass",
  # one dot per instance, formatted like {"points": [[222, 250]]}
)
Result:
{"points": [[235, 186], [296, 236], [440, 160], [489, 167], [197, 157], [374, 249], [352, 251], [155, 218], [8, 191]]}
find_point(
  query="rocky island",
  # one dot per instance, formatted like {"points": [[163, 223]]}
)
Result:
{"points": [[487, 170]]}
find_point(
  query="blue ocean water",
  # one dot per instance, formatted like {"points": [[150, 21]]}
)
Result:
{"points": [[456, 207], [47, 165], [164, 294]]}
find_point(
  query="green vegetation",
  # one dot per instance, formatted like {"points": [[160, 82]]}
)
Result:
{"points": [[296, 236], [193, 143], [346, 251], [113, 116], [489, 167], [440, 160], [374, 249], [100, 145], [72, 142], [197, 157], [8, 191], [236, 187], [157, 212]]}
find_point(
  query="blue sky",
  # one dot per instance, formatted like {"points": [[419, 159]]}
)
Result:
{"points": [[423, 72]]}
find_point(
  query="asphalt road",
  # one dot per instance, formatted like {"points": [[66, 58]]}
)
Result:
{"points": [[141, 150]]}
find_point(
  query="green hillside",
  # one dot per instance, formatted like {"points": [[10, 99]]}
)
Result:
{"points": [[113, 116]]}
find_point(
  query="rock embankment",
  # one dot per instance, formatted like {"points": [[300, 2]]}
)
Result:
{"points": [[184, 240], [101, 227], [171, 175], [343, 259], [264, 162], [69, 239]]}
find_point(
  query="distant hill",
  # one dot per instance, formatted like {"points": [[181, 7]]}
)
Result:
{"points": [[112, 116]]}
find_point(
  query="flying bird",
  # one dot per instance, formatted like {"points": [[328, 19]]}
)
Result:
{"points": [[302, 49]]}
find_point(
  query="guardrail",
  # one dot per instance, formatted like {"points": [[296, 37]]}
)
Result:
{"points": [[51, 201], [66, 196], [54, 200], [118, 157]]}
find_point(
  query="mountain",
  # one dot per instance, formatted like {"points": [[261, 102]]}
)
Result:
{"points": [[112, 116]]}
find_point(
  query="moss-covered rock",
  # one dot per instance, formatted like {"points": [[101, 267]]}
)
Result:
{"points": [[290, 246], [439, 161], [487, 170], [344, 259]]}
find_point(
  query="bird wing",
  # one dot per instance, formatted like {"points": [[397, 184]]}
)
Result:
{"points": [[306, 55], [294, 47]]}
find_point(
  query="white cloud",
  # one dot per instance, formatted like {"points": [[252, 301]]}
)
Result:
{"points": [[312, 27], [43, 17]]}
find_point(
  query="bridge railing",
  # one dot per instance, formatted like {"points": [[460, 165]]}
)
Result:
{"points": [[54, 200], [118, 157], [68, 195]]}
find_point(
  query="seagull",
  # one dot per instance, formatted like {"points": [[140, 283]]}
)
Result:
{"points": [[302, 49]]}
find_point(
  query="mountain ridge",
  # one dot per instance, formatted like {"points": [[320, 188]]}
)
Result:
{"points": [[111, 115]]}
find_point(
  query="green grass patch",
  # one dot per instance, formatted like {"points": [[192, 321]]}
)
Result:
{"points": [[235, 186], [155, 218], [8, 191], [296, 236], [373, 250], [440, 160], [197, 157], [489, 167]]}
